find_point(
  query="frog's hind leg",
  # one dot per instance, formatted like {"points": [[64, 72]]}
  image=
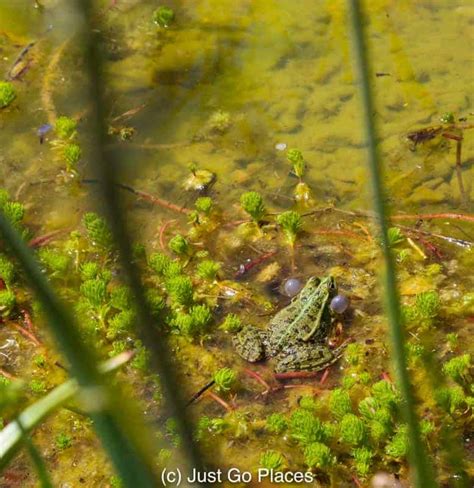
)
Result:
{"points": [[250, 343], [306, 357]]}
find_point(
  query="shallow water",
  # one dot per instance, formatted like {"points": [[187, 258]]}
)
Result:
{"points": [[280, 73]]}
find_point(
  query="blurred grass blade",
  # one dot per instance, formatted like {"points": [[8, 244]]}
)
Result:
{"points": [[421, 469], [131, 461], [36, 458], [33, 415], [149, 331]]}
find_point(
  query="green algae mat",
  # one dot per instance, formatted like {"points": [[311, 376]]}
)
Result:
{"points": [[225, 323]]}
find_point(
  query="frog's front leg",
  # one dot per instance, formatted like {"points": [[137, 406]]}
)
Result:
{"points": [[250, 343], [306, 357]]}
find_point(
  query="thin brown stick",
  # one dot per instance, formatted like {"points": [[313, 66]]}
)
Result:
{"points": [[200, 392], [219, 400], [459, 170], [162, 233], [291, 375], [26, 333], [257, 377], [44, 239]]}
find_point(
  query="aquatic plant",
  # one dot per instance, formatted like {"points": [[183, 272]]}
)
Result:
{"points": [[179, 245], [180, 289], [363, 460], [272, 460], [63, 441], [306, 428], [7, 270], [252, 203], [458, 368], [225, 379], [291, 224], [397, 447], [340, 403], [163, 16], [7, 93], [98, 231], [276, 423], [318, 455], [72, 155], [447, 118], [395, 236], [352, 429], [204, 205], [208, 269], [231, 323], [295, 157], [65, 127], [7, 303], [424, 310], [55, 262]]}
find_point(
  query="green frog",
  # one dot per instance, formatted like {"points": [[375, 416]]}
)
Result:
{"points": [[296, 336]]}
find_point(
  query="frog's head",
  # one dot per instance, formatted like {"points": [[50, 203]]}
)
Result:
{"points": [[325, 288]]}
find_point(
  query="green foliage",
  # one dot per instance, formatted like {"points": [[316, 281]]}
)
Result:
{"points": [[276, 423], [452, 339], [14, 212], [89, 270], [97, 231], [352, 429], [121, 298], [306, 428], [385, 393], [395, 236], [272, 460], [354, 354], [163, 265], [180, 289], [7, 93], [231, 323], [225, 379], [7, 303], [155, 301], [37, 386], [65, 127], [398, 445], [458, 368], [179, 245], [95, 292], [204, 205], [120, 324], [318, 455], [362, 460], [7, 270], [308, 402], [208, 269], [452, 400], [201, 316], [340, 403], [447, 118], [72, 154], [54, 261], [291, 224], [295, 157], [39, 360], [252, 203], [163, 16], [425, 309], [63, 441]]}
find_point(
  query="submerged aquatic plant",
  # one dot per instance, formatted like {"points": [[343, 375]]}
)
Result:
{"points": [[65, 127], [291, 224], [7, 93], [225, 379], [272, 460], [318, 455], [163, 16], [208, 269], [179, 245], [72, 155], [252, 203]]}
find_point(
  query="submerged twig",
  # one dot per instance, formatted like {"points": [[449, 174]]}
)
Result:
{"points": [[200, 392]]}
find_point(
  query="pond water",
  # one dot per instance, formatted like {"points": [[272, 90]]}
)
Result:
{"points": [[230, 87]]}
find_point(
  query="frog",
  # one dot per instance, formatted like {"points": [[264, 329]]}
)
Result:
{"points": [[296, 337]]}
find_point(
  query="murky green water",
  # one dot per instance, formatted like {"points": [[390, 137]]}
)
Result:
{"points": [[226, 86]]}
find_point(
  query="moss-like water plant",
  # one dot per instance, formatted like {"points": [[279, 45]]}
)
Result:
{"points": [[291, 225], [163, 16], [225, 379], [7, 93], [252, 203], [65, 127]]}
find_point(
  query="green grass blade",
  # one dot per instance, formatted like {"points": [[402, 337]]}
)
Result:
{"points": [[128, 456], [103, 164], [421, 468], [33, 415]]}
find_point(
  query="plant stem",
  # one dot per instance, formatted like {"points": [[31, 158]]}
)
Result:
{"points": [[422, 471]]}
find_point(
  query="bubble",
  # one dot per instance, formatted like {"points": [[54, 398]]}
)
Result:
{"points": [[339, 303], [292, 287], [281, 146]]}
